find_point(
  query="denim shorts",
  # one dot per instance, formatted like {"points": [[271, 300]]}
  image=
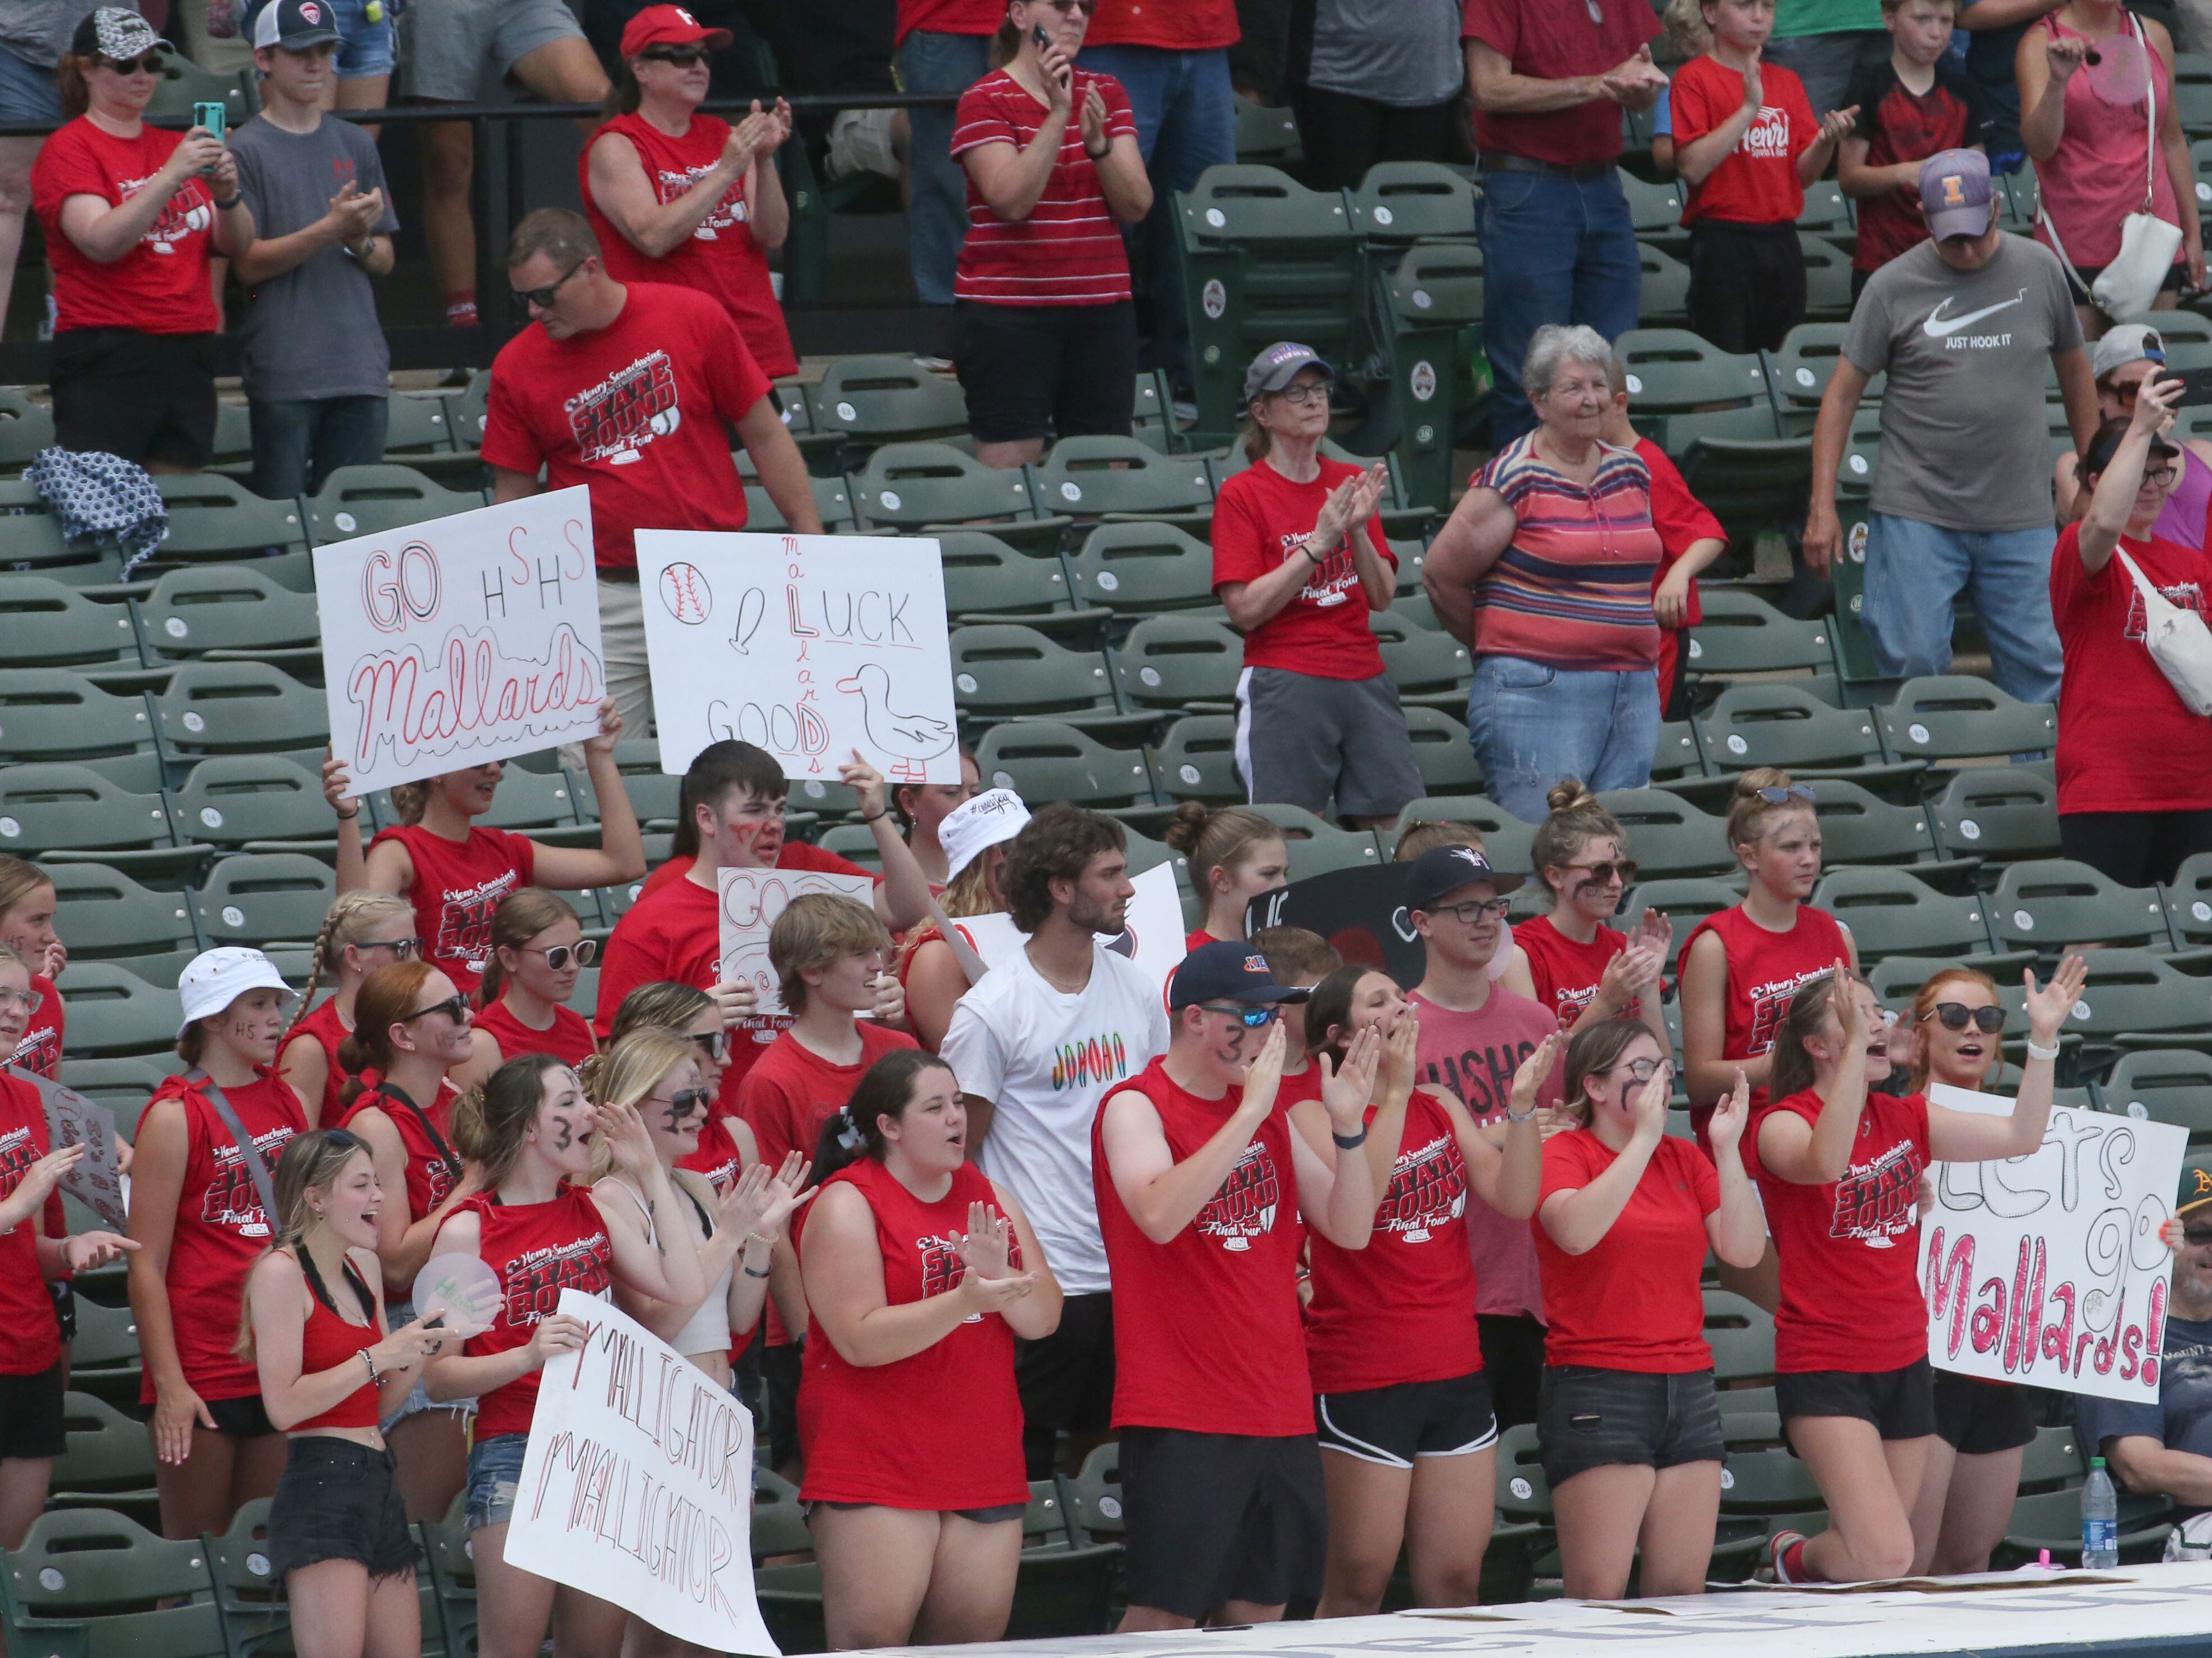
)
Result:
{"points": [[27, 93], [1591, 1417], [494, 1474], [396, 1313], [339, 1500]]}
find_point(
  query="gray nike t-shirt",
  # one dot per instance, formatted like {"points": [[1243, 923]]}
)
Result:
{"points": [[1965, 442]]}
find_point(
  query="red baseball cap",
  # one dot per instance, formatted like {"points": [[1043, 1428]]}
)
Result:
{"points": [[668, 25]]}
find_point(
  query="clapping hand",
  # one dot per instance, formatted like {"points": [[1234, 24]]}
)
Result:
{"points": [[1754, 89], [1838, 125], [758, 1203], [1094, 121], [1730, 1115], [623, 1129], [353, 214], [1534, 1072], [1346, 1089], [1632, 75]]}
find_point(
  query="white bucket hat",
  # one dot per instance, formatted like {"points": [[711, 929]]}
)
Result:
{"points": [[214, 979], [977, 824]]}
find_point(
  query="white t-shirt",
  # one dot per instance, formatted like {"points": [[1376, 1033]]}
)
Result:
{"points": [[1046, 1061]]}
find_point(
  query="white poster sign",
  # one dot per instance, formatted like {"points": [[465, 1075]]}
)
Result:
{"points": [[465, 640], [638, 1486], [751, 900], [2048, 1269], [808, 647], [1152, 936]]}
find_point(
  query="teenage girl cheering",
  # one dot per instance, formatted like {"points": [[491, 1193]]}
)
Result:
{"points": [[1981, 1427], [330, 1369], [1399, 1398], [1839, 1169], [1586, 971], [920, 1272], [455, 874], [529, 1131], [973, 836], [27, 903], [537, 951], [1628, 1421], [1235, 855], [411, 1032], [199, 1218], [726, 1146], [363, 931]]}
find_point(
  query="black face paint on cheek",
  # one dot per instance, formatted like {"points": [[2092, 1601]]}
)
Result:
{"points": [[677, 1116], [566, 1135]]}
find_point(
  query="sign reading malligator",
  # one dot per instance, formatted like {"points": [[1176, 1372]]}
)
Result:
{"points": [[809, 646], [461, 640], [638, 1486], [2048, 1269]]}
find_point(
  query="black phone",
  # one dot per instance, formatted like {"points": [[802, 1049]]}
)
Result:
{"points": [[2196, 387], [435, 1322], [1037, 34]]}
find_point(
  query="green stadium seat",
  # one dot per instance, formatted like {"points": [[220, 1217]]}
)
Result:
{"points": [[231, 611], [1401, 202], [1767, 724], [464, 411], [264, 899], [1860, 828], [1891, 911], [1001, 671], [1741, 1335], [1827, 278], [453, 1577], [2164, 1084], [108, 1465], [2192, 101], [1713, 413], [1174, 662], [1440, 750], [1196, 759], [654, 795], [239, 707], [417, 424], [1266, 135], [1798, 373], [1743, 634], [31, 541], [2049, 904], [1861, 447], [1954, 717], [103, 1360], [1827, 208], [1523, 1493], [108, 917], [1676, 756], [2135, 999], [59, 715], [211, 516], [1093, 1495], [1092, 476], [253, 802], [1429, 667], [1655, 208], [1140, 568], [1427, 323], [26, 428], [1317, 847], [530, 802], [986, 581], [367, 501], [907, 486], [57, 813], [1998, 813], [88, 1583], [1684, 902], [1668, 836], [184, 83], [49, 624], [1664, 301], [877, 399], [833, 501], [1504, 837], [1043, 760], [256, 1615]]}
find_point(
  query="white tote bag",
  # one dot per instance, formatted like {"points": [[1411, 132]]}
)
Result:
{"points": [[2127, 286], [2177, 640]]}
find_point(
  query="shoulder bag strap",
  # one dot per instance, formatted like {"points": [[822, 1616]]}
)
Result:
{"points": [[444, 1151], [212, 1092]]}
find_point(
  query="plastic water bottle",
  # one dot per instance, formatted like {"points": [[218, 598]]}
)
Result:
{"points": [[2100, 1520]]}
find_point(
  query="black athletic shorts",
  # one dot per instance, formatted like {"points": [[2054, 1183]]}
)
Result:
{"points": [[241, 1418], [1595, 1418], [1513, 1364], [1028, 368], [143, 397], [1065, 1380], [1393, 1425], [31, 1414], [1900, 1403], [1219, 1517], [780, 1368], [1975, 1417], [339, 1500]]}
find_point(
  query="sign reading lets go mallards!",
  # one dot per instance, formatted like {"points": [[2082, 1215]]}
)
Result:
{"points": [[810, 646]]}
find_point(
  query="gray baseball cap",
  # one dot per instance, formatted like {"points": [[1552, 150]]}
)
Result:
{"points": [[1275, 367], [1955, 193]]}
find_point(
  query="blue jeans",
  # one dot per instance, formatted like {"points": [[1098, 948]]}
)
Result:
{"points": [[27, 93], [1914, 570], [1553, 250], [299, 442], [1531, 724], [1186, 123], [937, 221]]}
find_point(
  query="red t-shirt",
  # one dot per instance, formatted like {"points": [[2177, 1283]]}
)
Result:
{"points": [[1475, 1055], [457, 886], [1756, 182], [1068, 251], [1849, 1249], [1632, 1300], [1681, 520], [220, 1230], [26, 1311], [162, 286], [636, 411], [1401, 1309], [721, 258], [1177, 25], [538, 1249], [1549, 41], [569, 1040], [949, 17], [942, 1428], [1765, 970], [41, 1048], [1259, 519], [1206, 1334], [2126, 740], [322, 1027], [434, 1168]]}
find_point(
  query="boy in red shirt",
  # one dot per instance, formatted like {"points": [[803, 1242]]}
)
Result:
{"points": [[1746, 145], [1689, 538]]}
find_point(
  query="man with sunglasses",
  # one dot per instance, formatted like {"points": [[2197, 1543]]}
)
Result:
{"points": [[2123, 361], [1474, 1035], [2166, 1448], [632, 390], [1199, 1177]]}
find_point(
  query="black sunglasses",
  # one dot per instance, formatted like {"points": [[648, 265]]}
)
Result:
{"points": [[1954, 1015], [454, 1007], [1777, 795], [682, 57], [543, 297], [1604, 871], [2196, 1235], [684, 1101], [150, 64], [715, 1045], [403, 948], [556, 955]]}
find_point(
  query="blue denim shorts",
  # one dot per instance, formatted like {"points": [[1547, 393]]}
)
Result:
{"points": [[1594, 1417], [494, 1474], [27, 93], [396, 1313]]}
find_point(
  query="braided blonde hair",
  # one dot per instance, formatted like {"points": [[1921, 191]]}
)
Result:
{"points": [[350, 920]]}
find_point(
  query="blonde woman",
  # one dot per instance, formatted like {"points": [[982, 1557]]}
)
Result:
{"points": [[537, 951], [363, 931]]}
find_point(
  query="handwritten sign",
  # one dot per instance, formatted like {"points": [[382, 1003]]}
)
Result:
{"points": [[638, 1486], [1151, 938], [751, 900], [465, 640], [809, 648], [72, 1120], [2047, 1269]]}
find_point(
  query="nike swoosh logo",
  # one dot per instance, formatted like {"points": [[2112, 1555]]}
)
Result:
{"points": [[1938, 324]]}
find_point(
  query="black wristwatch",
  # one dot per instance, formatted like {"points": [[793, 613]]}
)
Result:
{"points": [[1348, 1142]]}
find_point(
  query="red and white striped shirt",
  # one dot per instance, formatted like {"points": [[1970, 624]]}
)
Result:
{"points": [[1068, 251]]}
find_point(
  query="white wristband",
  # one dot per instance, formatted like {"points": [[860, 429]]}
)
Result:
{"points": [[2035, 1053]]}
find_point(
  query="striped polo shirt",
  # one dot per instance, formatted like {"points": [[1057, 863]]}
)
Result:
{"points": [[1573, 590], [1068, 251]]}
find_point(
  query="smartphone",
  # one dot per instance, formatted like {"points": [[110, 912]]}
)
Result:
{"points": [[211, 116], [1037, 34], [2195, 383]]}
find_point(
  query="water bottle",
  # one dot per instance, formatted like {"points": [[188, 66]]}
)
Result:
{"points": [[2100, 1520]]}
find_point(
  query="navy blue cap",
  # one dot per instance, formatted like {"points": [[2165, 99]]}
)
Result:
{"points": [[1441, 871], [1227, 971]]}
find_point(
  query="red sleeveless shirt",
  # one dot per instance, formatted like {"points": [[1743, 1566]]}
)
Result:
{"points": [[538, 1249], [1765, 970]]}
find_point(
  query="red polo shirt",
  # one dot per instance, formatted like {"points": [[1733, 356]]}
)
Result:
{"points": [[1176, 25], [1556, 41]]}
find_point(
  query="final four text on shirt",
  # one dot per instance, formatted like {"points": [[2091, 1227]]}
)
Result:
{"points": [[810, 646], [637, 1484], [468, 639]]}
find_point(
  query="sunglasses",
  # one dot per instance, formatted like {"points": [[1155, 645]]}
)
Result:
{"points": [[559, 956], [543, 297], [404, 949], [715, 1045], [1475, 912], [1779, 795], [454, 1007], [682, 57], [684, 1101], [150, 64], [2199, 1236], [1069, 8], [1252, 1019], [1954, 1015], [1602, 872]]}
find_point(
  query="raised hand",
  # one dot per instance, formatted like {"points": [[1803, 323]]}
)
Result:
{"points": [[1346, 1089], [609, 732], [1094, 119], [1265, 1074], [338, 786], [734, 1000], [865, 782], [2063, 55], [738, 1208], [2049, 1007], [1731, 1113], [1534, 1072], [1657, 930], [988, 1244], [1399, 1052], [558, 1332], [627, 1138], [1754, 88], [1852, 1010], [1650, 1104]]}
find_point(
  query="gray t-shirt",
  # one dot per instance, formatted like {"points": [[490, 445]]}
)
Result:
{"points": [[1964, 444], [39, 31], [1404, 52], [311, 332]]}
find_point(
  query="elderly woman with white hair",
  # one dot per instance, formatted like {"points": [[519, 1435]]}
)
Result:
{"points": [[1545, 570]]}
